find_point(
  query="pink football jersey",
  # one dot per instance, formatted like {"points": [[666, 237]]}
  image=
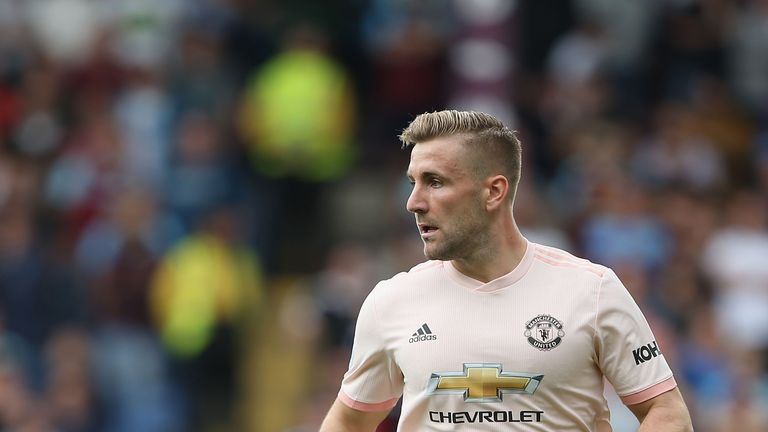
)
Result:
{"points": [[527, 351]]}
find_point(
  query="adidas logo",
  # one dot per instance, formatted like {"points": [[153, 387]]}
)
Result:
{"points": [[422, 334]]}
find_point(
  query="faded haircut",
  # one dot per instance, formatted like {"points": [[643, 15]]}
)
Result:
{"points": [[495, 148]]}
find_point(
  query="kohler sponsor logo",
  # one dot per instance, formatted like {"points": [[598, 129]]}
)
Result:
{"points": [[645, 353]]}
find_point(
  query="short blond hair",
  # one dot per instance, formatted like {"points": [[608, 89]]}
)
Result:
{"points": [[496, 148]]}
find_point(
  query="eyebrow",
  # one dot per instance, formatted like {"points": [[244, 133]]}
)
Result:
{"points": [[425, 174]]}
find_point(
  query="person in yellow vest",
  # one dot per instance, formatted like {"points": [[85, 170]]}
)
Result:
{"points": [[298, 112], [297, 122], [204, 299]]}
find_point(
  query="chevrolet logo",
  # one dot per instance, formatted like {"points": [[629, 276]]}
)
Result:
{"points": [[483, 382]]}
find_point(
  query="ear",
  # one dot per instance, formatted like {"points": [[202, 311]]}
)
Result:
{"points": [[497, 189]]}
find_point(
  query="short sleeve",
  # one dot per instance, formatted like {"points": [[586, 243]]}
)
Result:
{"points": [[627, 352], [373, 381]]}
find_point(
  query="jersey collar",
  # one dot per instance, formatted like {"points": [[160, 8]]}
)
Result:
{"points": [[499, 283]]}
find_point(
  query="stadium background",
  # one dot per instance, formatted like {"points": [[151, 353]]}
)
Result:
{"points": [[195, 196]]}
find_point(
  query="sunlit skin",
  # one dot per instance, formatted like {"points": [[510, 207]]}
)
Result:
{"points": [[462, 216]]}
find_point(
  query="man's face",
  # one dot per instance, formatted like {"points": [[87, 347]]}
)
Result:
{"points": [[446, 199]]}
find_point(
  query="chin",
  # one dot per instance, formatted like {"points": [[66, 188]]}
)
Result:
{"points": [[429, 254], [432, 254]]}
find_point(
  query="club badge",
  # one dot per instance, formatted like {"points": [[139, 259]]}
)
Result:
{"points": [[544, 332]]}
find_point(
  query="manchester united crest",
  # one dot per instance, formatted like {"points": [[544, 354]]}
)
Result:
{"points": [[544, 332]]}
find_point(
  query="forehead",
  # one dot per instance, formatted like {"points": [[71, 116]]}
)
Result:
{"points": [[443, 155]]}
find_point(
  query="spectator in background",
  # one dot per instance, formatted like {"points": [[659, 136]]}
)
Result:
{"points": [[689, 43], [704, 366], [576, 68], [735, 260], [118, 252], [690, 218], [760, 162], [676, 155], [133, 381], [626, 28], [592, 157], [70, 397], [37, 293], [19, 380], [340, 289], [86, 172], [298, 122], [142, 115], [622, 229], [298, 111], [407, 43], [537, 221], [747, 41], [39, 130], [40, 304], [204, 295], [200, 77], [19, 409], [202, 171], [721, 119], [145, 31]]}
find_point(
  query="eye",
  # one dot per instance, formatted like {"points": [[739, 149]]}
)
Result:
{"points": [[435, 183]]}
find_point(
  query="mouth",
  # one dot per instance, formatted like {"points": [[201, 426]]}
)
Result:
{"points": [[427, 230]]}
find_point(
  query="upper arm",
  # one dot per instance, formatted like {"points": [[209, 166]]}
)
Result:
{"points": [[342, 418], [667, 408], [373, 377], [626, 349]]}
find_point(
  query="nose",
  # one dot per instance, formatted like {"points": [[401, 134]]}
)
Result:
{"points": [[416, 202]]}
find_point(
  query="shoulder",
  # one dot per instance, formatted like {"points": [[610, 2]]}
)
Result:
{"points": [[562, 261], [417, 273], [410, 280], [422, 269]]}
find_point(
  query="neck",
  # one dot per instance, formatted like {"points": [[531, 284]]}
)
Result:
{"points": [[504, 250]]}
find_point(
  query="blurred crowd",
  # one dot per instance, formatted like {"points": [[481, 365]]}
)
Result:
{"points": [[197, 195]]}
